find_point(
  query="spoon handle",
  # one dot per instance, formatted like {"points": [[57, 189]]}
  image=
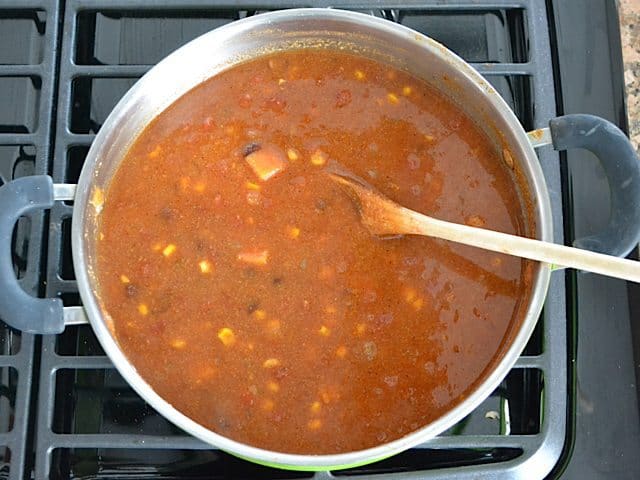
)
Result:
{"points": [[552, 253]]}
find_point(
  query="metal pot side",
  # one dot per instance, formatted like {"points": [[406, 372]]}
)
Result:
{"points": [[224, 47]]}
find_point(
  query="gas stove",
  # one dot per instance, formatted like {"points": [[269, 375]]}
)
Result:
{"points": [[568, 409]]}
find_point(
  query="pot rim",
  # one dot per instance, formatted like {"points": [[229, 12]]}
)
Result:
{"points": [[85, 278]]}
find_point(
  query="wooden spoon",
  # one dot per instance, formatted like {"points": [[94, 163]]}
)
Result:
{"points": [[383, 217]]}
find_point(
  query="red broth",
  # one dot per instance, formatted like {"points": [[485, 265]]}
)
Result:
{"points": [[243, 288]]}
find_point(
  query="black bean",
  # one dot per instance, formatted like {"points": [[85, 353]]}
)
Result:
{"points": [[249, 148], [252, 306], [163, 303], [131, 290], [249, 272], [167, 214], [277, 280]]}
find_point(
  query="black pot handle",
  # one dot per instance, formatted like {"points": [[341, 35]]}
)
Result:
{"points": [[622, 168], [17, 308]]}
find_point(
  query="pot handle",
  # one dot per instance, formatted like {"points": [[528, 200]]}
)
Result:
{"points": [[622, 168], [17, 308]]}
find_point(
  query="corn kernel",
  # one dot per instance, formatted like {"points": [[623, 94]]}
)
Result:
{"points": [[101, 236], [178, 343], [205, 266], [226, 336], [294, 232], [324, 331], [361, 328], [359, 74], [268, 405], [200, 375], [292, 155], [418, 303], [253, 186], [410, 294], [143, 309], [393, 98], [406, 91], [429, 138], [341, 351], [315, 407], [260, 314], [124, 279], [169, 250], [273, 387], [318, 158], [281, 81], [199, 187], [271, 363], [314, 424], [154, 153]]}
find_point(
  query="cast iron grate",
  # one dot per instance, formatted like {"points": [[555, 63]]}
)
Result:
{"points": [[92, 425], [28, 30]]}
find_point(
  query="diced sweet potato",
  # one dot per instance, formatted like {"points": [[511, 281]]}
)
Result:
{"points": [[267, 161], [254, 257]]}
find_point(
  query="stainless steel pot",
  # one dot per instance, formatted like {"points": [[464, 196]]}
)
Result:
{"points": [[296, 29]]}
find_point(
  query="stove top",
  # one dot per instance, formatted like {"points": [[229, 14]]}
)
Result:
{"points": [[64, 410]]}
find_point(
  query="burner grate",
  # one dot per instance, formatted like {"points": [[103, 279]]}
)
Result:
{"points": [[92, 425], [28, 30]]}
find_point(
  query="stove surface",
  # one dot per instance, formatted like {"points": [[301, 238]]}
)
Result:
{"points": [[64, 410]]}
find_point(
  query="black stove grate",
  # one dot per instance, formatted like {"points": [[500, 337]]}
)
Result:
{"points": [[89, 423], [28, 31]]}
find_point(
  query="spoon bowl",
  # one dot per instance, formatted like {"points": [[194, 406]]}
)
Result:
{"points": [[384, 217]]}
